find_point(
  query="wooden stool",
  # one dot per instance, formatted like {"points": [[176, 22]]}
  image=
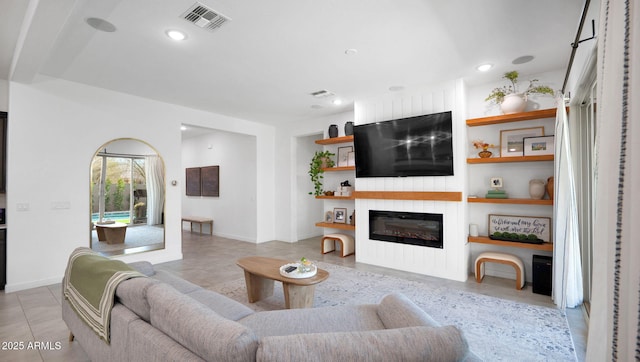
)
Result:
{"points": [[502, 258], [348, 245]]}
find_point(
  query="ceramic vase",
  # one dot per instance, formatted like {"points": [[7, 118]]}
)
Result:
{"points": [[485, 154], [513, 103], [550, 182], [348, 128], [536, 189], [333, 131]]}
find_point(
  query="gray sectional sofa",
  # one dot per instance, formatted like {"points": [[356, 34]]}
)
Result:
{"points": [[165, 318]]}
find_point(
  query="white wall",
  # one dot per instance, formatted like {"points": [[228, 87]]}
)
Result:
{"points": [[308, 210], [451, 262], [56, 126], [234, 211], [4, 95]]}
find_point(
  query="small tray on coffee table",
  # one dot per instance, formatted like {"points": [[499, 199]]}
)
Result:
{"points": [[296, 274]]}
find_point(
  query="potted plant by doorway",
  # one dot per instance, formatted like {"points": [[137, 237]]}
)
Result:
{"points": [[320, 160], [510, 99]]}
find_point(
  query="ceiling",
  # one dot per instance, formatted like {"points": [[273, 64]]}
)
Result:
{"points": [[263, 64]]}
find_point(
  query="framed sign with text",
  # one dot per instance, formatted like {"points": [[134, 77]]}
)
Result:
{"points": [[539, 226]]}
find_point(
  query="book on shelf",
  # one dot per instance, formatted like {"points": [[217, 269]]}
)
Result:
{"points": [[498, 192], [496, 196]]}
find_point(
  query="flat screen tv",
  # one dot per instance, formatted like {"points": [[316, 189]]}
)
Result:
{"points": [[413, 146]]}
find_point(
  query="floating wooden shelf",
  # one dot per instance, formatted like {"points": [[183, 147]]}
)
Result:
{"points": [[510, 201], [516, 117], [335, 225], [336, 197], [409, 195], [333, 141], [511, 159], [343, 168], [486, 240]]}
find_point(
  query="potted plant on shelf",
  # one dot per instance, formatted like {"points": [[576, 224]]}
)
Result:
{"points": [[508, 97], [484, 147], [320, 160]]}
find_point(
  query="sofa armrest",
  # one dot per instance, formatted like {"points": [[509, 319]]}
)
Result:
{"points": [[404, 344], [143, 267], [397, 311]]}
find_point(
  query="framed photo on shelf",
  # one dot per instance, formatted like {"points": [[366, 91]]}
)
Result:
{"points": [[340, 215], [343, 155], [537, 146], [328, 216], [512, 140], [351, 159], [496, 182]]}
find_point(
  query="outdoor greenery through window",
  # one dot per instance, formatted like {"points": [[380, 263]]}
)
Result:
{"points": [[118, 189]]}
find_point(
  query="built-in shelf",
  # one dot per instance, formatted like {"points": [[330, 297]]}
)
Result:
{"points": [[513, 244], [336, 197], [510, 201], [343, 168], [511, 159], [507, 118], [334, 225], [409, 195], [335, 140]]}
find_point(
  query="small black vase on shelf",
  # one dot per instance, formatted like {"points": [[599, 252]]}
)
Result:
{"points": [[333, 131], [348, 128]]}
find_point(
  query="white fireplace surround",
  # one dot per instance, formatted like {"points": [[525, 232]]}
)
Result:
{"points": [[451, 262]]}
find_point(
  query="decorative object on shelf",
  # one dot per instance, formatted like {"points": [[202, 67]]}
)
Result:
{"points": [[550, 185], [328, 216], [512, 224], [352, 218], [329, 193], [512, 140], [333, 131], [340, 215], [320, 160], [345, 189], [484, 147], [343, 155], [536, 146], [508, 97], [496, 182], [496, 194], [348, 128], [473, 230], [536, 189]]}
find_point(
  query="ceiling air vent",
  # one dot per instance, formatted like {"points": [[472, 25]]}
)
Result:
{"points": [[204, 17], [322, 93]]}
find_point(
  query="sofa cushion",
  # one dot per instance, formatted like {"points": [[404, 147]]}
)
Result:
{"points": [[404, 344], [314, 320], [224, 306], [132, 294], [397, 311], [198, 328], [178, 283]]}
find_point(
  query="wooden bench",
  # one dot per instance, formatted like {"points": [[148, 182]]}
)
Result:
{"points": [[347, 244], [502, 258], [199, 220]]}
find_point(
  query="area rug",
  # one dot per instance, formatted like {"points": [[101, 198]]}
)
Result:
{"points": [[497, 329]]}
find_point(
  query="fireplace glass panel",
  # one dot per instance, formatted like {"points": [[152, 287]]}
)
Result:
{"points": [[412, 228]]}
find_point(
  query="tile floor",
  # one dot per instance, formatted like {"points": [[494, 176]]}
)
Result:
{"points": [[31, 326]]}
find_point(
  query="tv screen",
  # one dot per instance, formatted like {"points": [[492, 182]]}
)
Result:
{"points": [[414, 146]]}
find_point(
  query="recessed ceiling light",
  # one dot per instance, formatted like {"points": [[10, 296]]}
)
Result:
{"points": [[396, 88], [183, 128], [484, 67], [176, 35], [337, 102], [316, 106], [523, 59], [101, 24], [351, 51]]}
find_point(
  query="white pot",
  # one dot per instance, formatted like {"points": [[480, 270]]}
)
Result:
{"points": [[536, 189], [513, 103]]}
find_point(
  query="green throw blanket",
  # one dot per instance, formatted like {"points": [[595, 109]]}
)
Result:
{"points": [[90, 283]]}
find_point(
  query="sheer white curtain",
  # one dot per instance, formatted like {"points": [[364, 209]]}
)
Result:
{"points": [[154, 169], [614, 325], [567, 268]]}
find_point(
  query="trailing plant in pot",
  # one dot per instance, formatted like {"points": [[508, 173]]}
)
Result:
{"points": [[510, 99], [320, 160]]}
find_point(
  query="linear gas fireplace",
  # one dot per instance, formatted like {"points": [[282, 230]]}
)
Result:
{"points": [[413, 228]]}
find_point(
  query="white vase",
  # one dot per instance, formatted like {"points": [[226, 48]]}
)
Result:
{"points": [[513, 103], [536, 189]]}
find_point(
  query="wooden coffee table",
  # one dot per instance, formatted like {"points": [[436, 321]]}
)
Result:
{"points": [[260, 273]]}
